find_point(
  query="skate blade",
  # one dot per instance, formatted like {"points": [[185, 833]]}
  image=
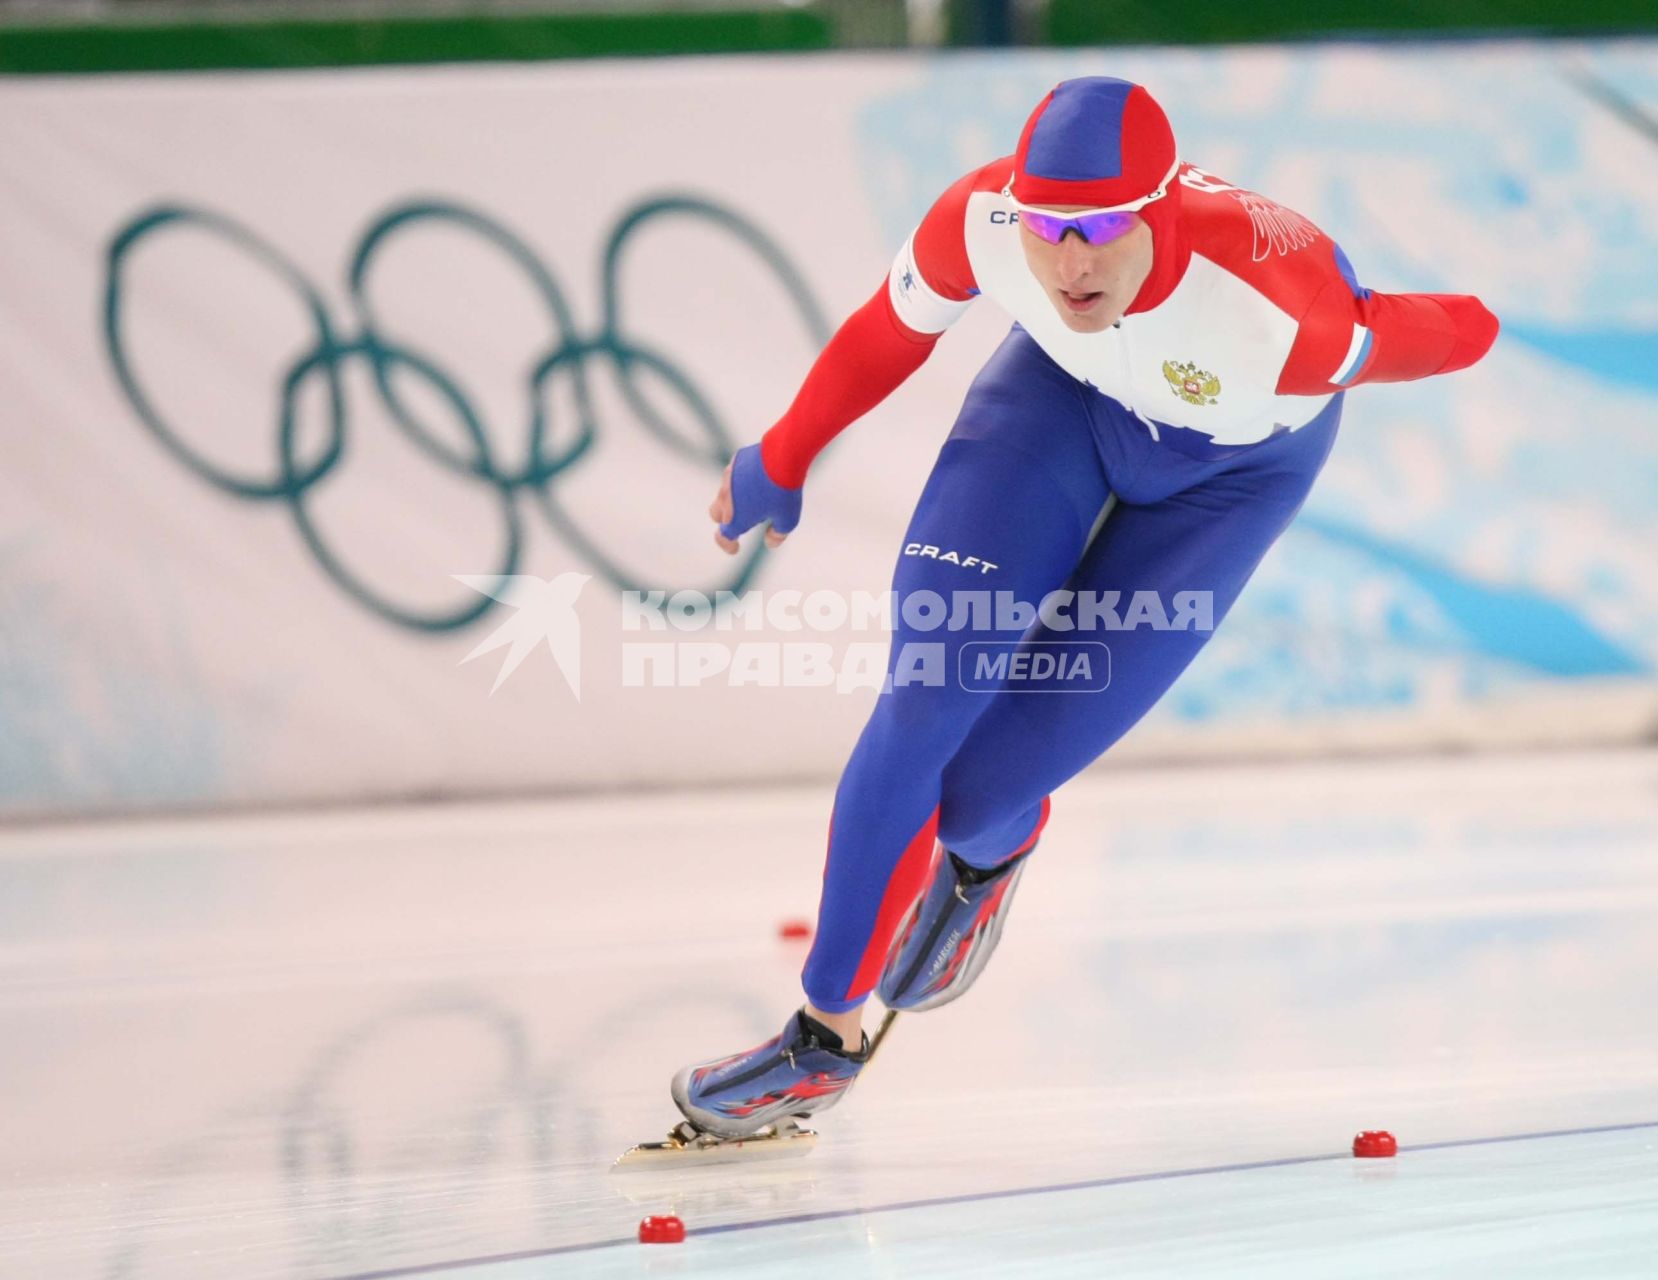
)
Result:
{"points": [[687, 1147]]}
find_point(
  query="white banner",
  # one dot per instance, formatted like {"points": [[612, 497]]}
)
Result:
{"points": [[318, 383]]}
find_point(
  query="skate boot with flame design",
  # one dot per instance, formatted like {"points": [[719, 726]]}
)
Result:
{"points": [[803, 1070], [949, 936]]}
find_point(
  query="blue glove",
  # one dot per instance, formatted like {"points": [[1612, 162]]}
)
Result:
{"points": [[755, 497]]}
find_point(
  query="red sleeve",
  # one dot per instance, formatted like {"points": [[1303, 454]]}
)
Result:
{"points": [[1347, 339], [864, 363], [875, 351], [1417, 335]]}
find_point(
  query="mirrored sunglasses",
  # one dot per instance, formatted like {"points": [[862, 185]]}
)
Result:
{"points": [[1095, 228]]}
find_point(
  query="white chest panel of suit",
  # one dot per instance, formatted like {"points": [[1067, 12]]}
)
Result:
{"points": [[1207, 358]]}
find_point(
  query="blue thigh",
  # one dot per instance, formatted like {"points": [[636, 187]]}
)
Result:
{"points": [[1208, 537]]}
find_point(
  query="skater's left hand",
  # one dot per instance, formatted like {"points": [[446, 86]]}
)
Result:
{"points": [[747, 496]]}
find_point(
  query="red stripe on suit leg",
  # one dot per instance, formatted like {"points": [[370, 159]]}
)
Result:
{"points": [[908, 879]]}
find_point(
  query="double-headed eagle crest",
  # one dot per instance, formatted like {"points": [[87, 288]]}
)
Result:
{"points": [[1191, 384]]}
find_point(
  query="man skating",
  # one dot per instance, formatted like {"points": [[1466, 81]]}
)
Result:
{"points": [[1178, 364]]}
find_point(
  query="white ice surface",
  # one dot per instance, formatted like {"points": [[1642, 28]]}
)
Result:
{"points": [[366, 1043]]}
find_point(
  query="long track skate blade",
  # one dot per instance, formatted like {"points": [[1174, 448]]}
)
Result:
{"points": [[687, 1147]]}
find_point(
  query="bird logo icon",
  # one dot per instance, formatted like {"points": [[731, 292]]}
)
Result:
{"points": [[542, 610]]}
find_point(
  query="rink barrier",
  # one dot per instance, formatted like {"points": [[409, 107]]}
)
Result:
{"points": [[246, 553]]}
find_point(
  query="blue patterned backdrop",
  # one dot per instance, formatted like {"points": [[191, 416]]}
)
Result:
{"points": [[1473, 533]]}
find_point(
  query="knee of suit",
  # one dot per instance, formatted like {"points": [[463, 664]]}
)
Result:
{"points": [[929, 715]]}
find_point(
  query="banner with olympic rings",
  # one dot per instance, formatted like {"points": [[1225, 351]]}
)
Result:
{"points": [[326, 391]]}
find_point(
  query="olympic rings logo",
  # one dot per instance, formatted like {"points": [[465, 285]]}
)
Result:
{"points": [[393, 365]]}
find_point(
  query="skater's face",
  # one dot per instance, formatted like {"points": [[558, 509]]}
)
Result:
{"points": [[1090, 285]]}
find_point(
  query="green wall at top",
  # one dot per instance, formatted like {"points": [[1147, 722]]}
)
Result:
{"points": [[257, 43], [174, 46], [1080, 22]]}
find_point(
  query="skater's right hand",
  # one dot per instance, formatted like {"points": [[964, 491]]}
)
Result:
{"points": [[747, 496]]}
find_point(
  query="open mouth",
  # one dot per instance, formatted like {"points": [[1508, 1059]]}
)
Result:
{"points": [[1081, 302]]}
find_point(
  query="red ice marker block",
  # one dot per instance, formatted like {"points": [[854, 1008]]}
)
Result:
{"points": [[664, 1230], [794, 930], [1375, 1143]]}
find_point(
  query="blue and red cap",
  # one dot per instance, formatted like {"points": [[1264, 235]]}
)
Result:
{"points": [[1096, 142]]}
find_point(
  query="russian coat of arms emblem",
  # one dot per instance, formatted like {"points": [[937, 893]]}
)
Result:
{"points": [[1191, 384]]}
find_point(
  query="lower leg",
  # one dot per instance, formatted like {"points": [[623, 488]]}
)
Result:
{"points": [[988, 847], [848, 1026]]}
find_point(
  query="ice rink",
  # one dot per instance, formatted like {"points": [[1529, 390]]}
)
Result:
{"points": [[411, 1041]]}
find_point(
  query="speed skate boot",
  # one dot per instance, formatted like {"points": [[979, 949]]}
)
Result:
{"points": [[803, 1070], [950, 934]]}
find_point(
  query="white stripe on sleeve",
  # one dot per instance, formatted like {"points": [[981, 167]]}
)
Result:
{"points": [[913, 298]]}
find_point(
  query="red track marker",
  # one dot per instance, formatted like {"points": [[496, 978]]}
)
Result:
{"points": [[1375, 1144]]}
